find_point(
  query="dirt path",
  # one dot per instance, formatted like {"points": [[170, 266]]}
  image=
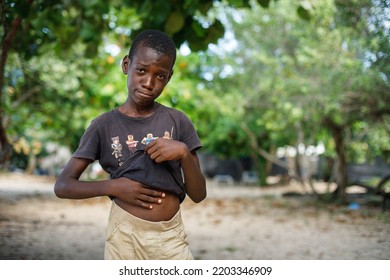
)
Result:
{"points": [[232, 223]]}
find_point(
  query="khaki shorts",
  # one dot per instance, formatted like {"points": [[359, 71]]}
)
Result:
{"points": [[132, 238]]}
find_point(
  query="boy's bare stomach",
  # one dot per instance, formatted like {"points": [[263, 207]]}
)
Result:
{"points": [[161, 212]]}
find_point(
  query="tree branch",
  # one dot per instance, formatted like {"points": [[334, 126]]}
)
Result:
{"points": [[260, 151]]}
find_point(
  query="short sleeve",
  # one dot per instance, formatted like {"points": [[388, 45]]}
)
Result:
{"points": [[189, 134], [89, 146]]}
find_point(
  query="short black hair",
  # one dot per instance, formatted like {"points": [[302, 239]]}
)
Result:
{"points": [[156, 40]]}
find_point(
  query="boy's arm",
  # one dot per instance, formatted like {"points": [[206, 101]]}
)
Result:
{"points": [[68, 185], [167, 149], [193, 177]]}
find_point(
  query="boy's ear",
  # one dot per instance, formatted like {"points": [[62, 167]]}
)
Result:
{"points": [[125, 64]]}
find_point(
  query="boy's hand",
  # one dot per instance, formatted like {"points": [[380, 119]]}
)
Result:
{"points": [[163, 149], [135, 193]]}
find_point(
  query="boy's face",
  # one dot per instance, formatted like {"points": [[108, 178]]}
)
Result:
{"points": [[147, 75]]}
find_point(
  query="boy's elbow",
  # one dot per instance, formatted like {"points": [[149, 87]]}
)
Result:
{"points": [[199, 198], [59, 190]]}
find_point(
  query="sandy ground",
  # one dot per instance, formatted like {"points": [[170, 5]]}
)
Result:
{"points": [[234, 222]]}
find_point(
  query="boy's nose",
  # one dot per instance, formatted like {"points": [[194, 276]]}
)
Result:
{"points": [[148, 82]]}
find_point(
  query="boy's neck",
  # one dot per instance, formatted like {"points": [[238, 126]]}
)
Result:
{"points": [[130, 110]]}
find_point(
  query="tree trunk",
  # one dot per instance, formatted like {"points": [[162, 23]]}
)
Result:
{"points": [[7, 40], [255, 146], [341, 175]]}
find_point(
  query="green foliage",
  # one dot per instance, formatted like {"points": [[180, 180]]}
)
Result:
{"points": [[286, 77], [280, 80], [51, 61]]}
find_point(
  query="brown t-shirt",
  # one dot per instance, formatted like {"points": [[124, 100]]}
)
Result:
{"points": [[117, 141]]}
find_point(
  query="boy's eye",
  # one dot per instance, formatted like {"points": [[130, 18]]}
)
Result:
{"points": [[140, 70], [161, 77]]}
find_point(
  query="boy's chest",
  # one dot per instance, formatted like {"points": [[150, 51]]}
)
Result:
{"points": [[121, 139]]}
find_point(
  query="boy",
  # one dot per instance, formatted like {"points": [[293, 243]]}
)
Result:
{"points": [[145, 147]]}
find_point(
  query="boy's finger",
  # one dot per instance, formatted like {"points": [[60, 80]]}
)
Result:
{"points": [[146, 205], [154, 193]]}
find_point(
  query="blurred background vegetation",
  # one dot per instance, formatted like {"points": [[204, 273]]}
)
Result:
{"points": [[256, 77]]}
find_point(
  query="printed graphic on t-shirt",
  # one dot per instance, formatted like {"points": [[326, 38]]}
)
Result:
{"points": [[149, 138], [132, 143], [116, 146], [168, 135]]}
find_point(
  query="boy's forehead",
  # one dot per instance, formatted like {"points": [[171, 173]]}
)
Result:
{"points": [[142, 49], [147, 55]]}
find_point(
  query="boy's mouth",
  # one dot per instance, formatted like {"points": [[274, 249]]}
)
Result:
{"points": [[145, 95]]}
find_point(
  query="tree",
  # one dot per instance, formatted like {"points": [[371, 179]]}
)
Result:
{"points": [[32, 29], [356, 84], [292, 82], [256, 84], [73, 31]]}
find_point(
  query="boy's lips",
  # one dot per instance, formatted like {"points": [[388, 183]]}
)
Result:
{"points": [[143, 94]]}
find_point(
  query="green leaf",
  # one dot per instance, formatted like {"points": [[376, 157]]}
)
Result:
{"points": [[264, 3], [303, 13], [174, 23]]}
